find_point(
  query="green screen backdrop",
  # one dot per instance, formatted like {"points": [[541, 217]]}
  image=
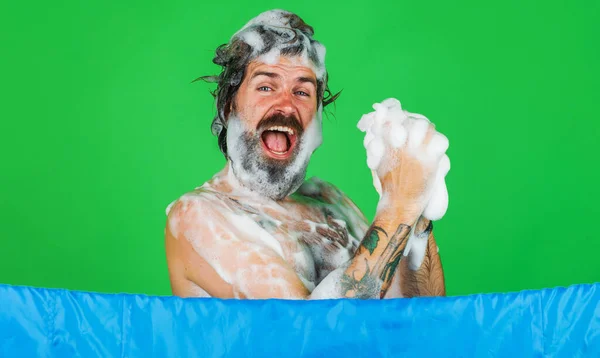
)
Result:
{"points": [[101, 128]]}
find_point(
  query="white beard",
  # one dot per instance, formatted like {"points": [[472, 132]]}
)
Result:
{"points": [[261, 174]]}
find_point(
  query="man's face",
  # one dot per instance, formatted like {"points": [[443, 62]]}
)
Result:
{"points": [[274, 127], [284, 90]]}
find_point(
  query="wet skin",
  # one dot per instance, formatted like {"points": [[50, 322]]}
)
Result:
{"points": [[225, 241]]}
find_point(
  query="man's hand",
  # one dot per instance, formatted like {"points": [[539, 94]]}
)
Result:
{"points": [[408, 173], [404, 152]]}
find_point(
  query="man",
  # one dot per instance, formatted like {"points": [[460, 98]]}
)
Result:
{"points": [[257, 229]]}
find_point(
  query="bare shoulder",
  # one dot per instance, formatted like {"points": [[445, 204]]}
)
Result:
{"points": [[193, 223], [214, 248], [188, 210]]}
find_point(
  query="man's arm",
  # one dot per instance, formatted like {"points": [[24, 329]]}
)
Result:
{"points": [[421, 272], [205, 248], [376, 261], [428, 278], [208, 248]]}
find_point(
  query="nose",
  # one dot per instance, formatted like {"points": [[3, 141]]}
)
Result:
{"points": [[285, 104]]}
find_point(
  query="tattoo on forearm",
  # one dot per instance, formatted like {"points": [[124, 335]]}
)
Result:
{"points": [[391, 256], [372, 238], [376, 280], [362, 288]]}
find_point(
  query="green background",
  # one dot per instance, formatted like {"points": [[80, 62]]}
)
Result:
{"points": [[101, 129]]}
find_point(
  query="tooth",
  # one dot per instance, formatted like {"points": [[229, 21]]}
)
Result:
{"points": [[288, 130]]}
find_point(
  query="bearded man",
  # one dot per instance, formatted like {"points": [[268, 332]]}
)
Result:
{"points": [[258, 229]]}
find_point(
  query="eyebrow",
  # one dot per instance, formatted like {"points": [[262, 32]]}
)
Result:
{"points": [[307, 79], [264, 73], [275, 75]]}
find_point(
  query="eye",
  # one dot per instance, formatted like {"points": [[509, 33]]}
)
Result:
{"points": [[302, 93], [264, 89]]}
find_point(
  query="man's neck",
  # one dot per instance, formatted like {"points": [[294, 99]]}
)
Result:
{"points": [[226, 182]]}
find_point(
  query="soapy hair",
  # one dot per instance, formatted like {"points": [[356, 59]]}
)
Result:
{"points": [[277, 31]]}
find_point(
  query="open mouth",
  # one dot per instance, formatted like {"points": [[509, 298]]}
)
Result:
{"points": [[278, 141]]}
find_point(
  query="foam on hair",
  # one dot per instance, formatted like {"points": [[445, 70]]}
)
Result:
{"points": [[265, 39], [278, 32]]}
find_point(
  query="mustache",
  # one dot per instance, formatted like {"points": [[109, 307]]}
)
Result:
{"points": [[279, 119]]}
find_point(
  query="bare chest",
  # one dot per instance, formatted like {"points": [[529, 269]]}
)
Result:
{"points": [[312, 239]]}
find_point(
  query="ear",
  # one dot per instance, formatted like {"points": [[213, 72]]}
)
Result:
{"points": [[232, 104]]}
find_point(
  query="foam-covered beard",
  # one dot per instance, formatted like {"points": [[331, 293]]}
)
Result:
{"points": [[273, 178]]}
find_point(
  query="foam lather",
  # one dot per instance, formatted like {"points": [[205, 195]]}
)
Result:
{"points": [[390, 127]]}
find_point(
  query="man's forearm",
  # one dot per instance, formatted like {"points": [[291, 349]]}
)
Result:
{"points": [[375, 263], [428, 279]]}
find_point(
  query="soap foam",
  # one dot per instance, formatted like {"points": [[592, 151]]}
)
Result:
{"points": [[397, 135], [253, 39], [253, 232], [416, 247], [275, 18], [278, 22], [376, 148], [330, 286], [202, 221], [438, 204], [270, 58], [417, 132], [389, 126]]}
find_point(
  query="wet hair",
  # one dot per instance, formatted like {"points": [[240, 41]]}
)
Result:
{"points": [[275, 30]]}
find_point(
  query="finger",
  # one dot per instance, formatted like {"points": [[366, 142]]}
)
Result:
{"points": [[429, 135], [391, 103], [417, 130], [438, 144], [368, 138], [365, 122], [444, 165], [438, 203], [416, 116], [375, 151], [397, 134]]}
